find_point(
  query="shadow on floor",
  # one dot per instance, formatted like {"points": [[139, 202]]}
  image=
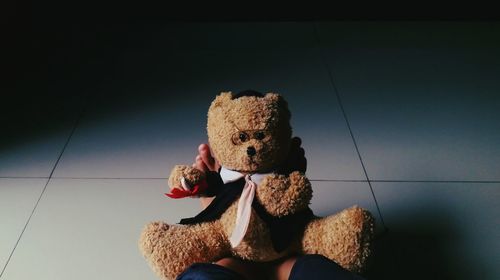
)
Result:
{"points": [[423, 249]]}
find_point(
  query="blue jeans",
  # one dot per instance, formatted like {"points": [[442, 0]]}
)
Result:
{"points": [[209, 271], [306, 267], [319, 267]]}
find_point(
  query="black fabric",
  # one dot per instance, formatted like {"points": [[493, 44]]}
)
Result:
{"points": [[215, 183], [227, 195], [283, 229]]}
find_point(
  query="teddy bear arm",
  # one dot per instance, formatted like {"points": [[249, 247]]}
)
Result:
{"points": [[283, 195], [171, 249], [344, 238], [192, 176], [299, 194]]}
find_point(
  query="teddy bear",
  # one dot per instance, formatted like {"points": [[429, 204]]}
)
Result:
{"points": [[259, 212]]}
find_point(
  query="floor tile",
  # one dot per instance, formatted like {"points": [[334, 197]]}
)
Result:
{"points": [[88, 229], [333, 197], [34, 131], [442, 230], [143, 128], [423, 98], [101, 219], [32, 158], [17, 200], [382, 264]]}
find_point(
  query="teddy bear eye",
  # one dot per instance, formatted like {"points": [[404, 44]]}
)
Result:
{"points": [[243, 136], [259, 135], [239, 137]]}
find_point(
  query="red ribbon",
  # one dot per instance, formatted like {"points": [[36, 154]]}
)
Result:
{"points": [[195, 190]]}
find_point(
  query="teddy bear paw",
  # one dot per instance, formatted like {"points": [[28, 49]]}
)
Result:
{"points": [[282, 195], [184, 177]]}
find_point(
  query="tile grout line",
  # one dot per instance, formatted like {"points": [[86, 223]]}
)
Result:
{"points": [[311, 179], [342, 109], [24, 177], [166, 178], [438, 181], [330, 75], [44, 188]]}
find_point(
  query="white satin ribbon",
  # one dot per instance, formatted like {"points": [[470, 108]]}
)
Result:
{"points": [[184, 184], [245, 202]]}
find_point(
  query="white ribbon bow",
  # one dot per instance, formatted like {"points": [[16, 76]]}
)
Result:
{"points": [[245, 202]]}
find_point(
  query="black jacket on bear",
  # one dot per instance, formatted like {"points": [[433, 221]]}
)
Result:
{"points": [[283, 229]]}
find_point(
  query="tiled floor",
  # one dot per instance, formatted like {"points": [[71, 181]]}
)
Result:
{"points": [[449, 230], [400, 118], [426, 100]]}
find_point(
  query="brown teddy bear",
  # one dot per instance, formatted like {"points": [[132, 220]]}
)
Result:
{"points": [[259, 213]]}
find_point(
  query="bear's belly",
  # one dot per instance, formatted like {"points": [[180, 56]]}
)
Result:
{"points": [[256, 245]]}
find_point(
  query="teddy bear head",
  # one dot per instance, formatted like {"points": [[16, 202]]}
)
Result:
{"points": [[249, 132]]}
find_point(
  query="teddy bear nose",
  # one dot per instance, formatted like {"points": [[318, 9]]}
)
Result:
{"points": [[251, 151]]}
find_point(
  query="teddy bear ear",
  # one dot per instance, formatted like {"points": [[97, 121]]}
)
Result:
{"points": [[222, 98], [280, 102], [273, 96]]}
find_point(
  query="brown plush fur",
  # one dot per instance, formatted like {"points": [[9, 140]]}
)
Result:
{"points": [[283, 195], [192, 175], [344, 237], [228, 117]]}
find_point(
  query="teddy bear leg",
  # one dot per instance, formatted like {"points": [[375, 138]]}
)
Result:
{"points": [[344, 237], [170, 249]]}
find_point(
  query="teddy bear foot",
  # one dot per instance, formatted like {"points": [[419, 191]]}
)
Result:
{"points": [[170, 249], [344, 238], [151, 236]]}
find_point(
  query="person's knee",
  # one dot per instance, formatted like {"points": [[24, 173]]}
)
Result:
{"points": [[319, 267], [209, 271]]}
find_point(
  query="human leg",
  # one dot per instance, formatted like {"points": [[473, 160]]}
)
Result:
{"points": [[225, 269], [319, 267], [209, 271]]}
